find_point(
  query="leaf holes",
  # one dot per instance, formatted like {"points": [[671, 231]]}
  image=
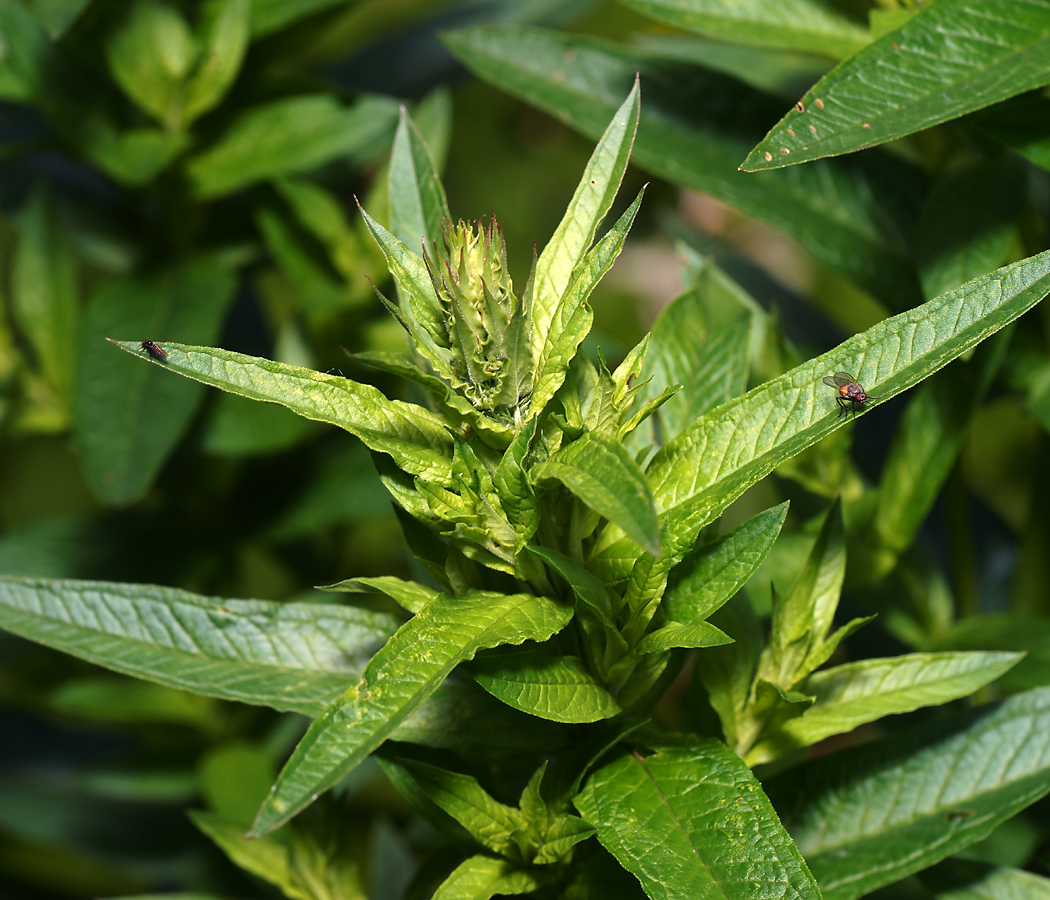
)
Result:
{"points": [[768, 156]]}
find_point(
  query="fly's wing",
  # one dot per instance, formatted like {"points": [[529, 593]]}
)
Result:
{"points": [[839, 379]]}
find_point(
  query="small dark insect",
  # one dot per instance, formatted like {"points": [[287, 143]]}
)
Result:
{"points": [[154, 351], [850, 391]]}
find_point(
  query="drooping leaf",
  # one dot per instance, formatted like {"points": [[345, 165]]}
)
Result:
{"points": [[128, 416], [491, 823], [399, 678], [694, 129], [295, 656], [415, 438], [603, 475], [298, 863], [409, 594], [801, 25], [558, 688], [691, 822], [291, 135], [872, 815], [481, 877], [950, 58]]}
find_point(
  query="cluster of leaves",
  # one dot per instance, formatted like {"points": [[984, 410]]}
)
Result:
{"points": [[565, 513]]}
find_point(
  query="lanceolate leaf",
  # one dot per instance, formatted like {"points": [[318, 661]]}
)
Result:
{"points": [[803, 25], [409, 668], [699, 473], [293, 134], [417, 199], [411, 595], [602, 474], [558, 688], [129, 416], [713, 573], [414, 437], [693, 822], [952, 57], [291, 656], [872, 815], [855, 693], [854, 215], [481, 877], [571, 318], [573, 236], [491, 823]]}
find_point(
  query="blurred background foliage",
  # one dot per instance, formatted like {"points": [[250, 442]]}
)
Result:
{"points": [[186, 171]]}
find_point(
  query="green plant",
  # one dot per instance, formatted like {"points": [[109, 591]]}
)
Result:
{"points": [[532, 492]]}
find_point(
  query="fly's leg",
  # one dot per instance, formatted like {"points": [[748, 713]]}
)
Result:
{"points": [[843, 404]]}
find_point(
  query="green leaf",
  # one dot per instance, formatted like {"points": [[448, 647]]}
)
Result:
{"points": [[872, 815], [109, 699], [129, 417], [603, 475], [489, 822], [931, 434], [56, 15], [291, 656], [803, 25], [716, 459], [223, 34], [150, 55], [420, 312], [417, 197], [272, 15], [44, 290], [1021, 124], [852, 694], [693, 822], [678, 634], [407, 670], [967, 222], [802, 619], [951, 58], [294, 134], [481, 877], [135, 156], [536, 682], [238, 427], [711, 574], [410, 595], [573, 236], [304, 866], [415, 438], [700, 340], [853, 215], [1011, 632], [24, 61], [572, 317], [959, 879]]}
